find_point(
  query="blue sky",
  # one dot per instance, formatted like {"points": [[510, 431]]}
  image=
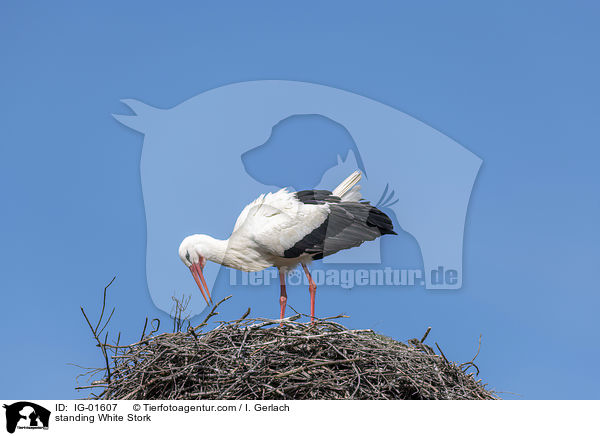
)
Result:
{"points": [[514, 82]]}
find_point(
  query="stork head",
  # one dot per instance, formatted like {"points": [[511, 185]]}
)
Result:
{"points": [[193, 254]]}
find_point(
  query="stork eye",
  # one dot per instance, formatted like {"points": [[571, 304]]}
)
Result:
{"points": [[187, 256]]}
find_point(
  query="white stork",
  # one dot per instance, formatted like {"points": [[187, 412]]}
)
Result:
{"points": [[284, 229]]}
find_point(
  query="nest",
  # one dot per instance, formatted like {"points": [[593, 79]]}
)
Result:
{"points": [[259, 359]]}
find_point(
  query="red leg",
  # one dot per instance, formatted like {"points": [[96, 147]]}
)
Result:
{"points": [[283, 298], [312, 288]]}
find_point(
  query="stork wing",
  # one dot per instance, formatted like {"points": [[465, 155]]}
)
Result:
{"points": [[349, 224], [278, 221]]}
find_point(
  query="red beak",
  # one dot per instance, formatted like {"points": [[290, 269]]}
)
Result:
{"points": [[196, 271]]}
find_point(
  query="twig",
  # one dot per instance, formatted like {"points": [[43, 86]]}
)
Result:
{"points": [[104, 303], [471, 363], [442, 353], [314, 365]]}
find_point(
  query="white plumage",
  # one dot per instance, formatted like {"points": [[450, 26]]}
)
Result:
{"points": [[348, 190], [284, 229]]}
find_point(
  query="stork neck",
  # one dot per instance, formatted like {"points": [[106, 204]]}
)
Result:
{"points": [[233, 254], [215, 250]]}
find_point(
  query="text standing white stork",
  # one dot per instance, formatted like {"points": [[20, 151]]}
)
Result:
{"points": [[284, 229]]}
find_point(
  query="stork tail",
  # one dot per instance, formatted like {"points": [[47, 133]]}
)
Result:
{"points": [[347, 190]]}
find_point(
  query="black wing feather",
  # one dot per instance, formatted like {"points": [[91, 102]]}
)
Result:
{"points": [[348, 225]]}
